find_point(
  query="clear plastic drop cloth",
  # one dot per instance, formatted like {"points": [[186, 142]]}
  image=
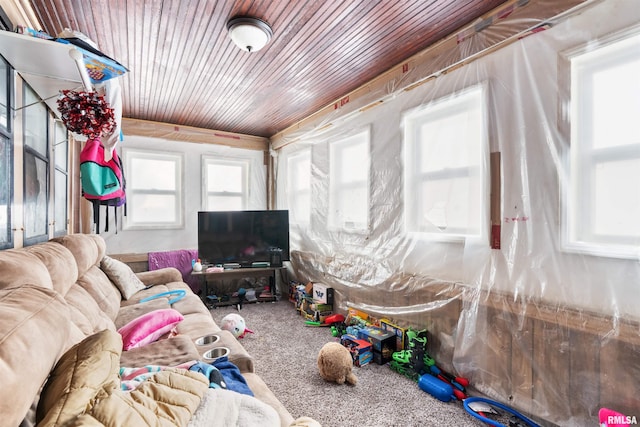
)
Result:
{"points": [[500, 208]]}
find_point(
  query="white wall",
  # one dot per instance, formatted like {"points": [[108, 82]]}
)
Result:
{"points": [[137, 241]]}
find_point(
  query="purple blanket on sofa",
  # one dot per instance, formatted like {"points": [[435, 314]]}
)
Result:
{"points": [[180, 259]]}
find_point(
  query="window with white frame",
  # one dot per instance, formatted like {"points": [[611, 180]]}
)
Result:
{"points": [[602, 199], [349, 182], [226, 184], [445, 147], [155, 197], [299, 187]]}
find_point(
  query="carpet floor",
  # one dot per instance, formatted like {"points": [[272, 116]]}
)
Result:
{"points": [[285, 352]]}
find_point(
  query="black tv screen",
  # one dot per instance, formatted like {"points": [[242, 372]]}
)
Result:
{"points": [[243, 237]]}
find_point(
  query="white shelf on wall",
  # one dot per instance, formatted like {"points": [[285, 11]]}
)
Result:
{"points": [[44, 64]]}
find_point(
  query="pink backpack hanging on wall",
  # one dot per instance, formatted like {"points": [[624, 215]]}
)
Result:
{"points": [[102, 181]]}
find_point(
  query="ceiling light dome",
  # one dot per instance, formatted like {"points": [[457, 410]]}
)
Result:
{"points": [[249, 34]]}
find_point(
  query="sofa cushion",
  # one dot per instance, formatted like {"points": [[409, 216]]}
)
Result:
{"points": [[59, 262], [170, 352], [103, 291], [149, 327], [29, 345], [87, 250], [85, 312], [19, 267], [122, 276], [80, 377]]}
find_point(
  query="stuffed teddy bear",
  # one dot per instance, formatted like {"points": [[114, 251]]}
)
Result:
{"points": [[335, 363]]}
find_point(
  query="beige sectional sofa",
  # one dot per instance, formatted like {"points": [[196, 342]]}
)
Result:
{"points": [[62, 303]]}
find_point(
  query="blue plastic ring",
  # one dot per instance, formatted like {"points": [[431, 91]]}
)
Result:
{"points": [[180, 292]]}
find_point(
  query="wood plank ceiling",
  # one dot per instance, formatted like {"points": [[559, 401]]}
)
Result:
{"points": [[185, 70]]}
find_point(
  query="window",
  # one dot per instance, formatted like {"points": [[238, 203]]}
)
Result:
{"points": [[36, 168], [154, 189], [226, 184], [299, 187], [349, 183], [60, 153], [6, 156], [602, 198], [445, 147]]}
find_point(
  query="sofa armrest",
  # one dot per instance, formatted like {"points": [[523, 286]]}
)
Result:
{"points": [[160, 277]]}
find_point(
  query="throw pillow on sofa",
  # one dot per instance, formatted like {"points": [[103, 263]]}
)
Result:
{"points": [[122, 276], [149, 327]]}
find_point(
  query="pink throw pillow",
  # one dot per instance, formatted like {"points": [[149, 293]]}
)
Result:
{"points": [[149, 327]]}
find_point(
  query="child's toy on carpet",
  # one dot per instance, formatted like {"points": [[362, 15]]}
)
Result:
{"points": [[335, 364], [415, 363], [436, 387], [235, 324], [517, 418]]}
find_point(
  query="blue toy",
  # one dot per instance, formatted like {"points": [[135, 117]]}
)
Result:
{"points": [[436, 387], [512, 411]]}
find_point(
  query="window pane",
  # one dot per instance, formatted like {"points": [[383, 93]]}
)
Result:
{"points": [[225, 185], [444, 168], [4, 95], [349, 183], [224, 178], [617, 200], [35, 196], [445, 142], [353, 208], [299, 173], [299, 187], [153, 208], [152, 174], [619, 86], [154, 189], [450, 205], [35, 129], [353, 168], [603, 202], [5, 191], [300, 208], [60, 145], [224, 203], [60, 205]]}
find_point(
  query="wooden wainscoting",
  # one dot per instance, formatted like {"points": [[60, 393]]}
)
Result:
{"points": [[554, 362], [137, 262]]}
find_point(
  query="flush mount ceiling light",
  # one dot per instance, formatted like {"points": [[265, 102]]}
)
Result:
{"points": [[249, 34]]}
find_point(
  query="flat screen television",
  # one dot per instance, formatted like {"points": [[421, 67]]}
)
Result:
{"points": [[246, 238]]}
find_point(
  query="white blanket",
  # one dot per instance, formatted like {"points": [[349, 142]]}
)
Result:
{"points": [[223, 408]]}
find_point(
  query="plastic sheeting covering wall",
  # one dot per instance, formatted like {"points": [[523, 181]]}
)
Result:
{"points": [[550, 332]]}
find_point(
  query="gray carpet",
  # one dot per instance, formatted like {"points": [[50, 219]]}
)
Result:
{"points": [[285, 352]]}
